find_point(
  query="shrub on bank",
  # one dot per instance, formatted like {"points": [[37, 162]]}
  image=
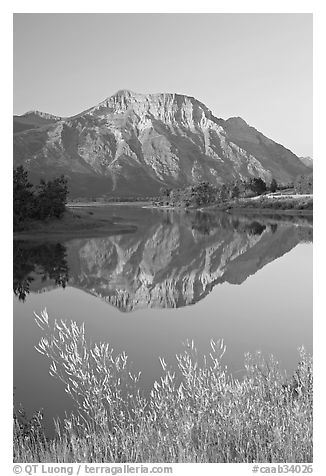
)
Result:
{"points": [[197, 412]]}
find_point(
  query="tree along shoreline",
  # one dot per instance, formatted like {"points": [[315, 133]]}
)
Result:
{"points": [[32, 204], [240, 194]]}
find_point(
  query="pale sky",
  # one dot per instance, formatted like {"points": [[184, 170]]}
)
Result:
{"points": [[257, 66]]}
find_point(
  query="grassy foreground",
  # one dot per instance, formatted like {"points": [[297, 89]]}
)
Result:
{"points": [[197, 413]]}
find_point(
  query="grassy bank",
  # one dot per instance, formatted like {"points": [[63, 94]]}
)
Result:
{"points": [[295, 204], [195, 413], [76, 222]]}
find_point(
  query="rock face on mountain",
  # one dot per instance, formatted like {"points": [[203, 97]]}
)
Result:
{"points": [[132, 144], [169, 263]]}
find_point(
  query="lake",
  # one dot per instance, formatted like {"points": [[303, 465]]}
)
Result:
{"points": [[181, 275]]}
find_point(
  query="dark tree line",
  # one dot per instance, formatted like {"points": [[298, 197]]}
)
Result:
{"points": [[46, 200], [205, 193]]}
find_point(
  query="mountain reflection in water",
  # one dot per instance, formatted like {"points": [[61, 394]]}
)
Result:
{"points": [[172, 262]]}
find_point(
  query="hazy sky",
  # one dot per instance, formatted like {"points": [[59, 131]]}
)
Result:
{"points": [[257, 66]]}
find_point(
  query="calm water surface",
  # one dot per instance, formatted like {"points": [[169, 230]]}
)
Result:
{"points": [[181, 276]]}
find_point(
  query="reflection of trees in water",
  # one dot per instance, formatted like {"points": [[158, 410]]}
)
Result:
{"points": [[47, 260], [208, 222], [205, 223], [253, 224], [305, 234], [273, 227], [255, 228]]}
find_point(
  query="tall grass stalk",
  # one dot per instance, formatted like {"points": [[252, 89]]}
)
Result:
{"points": [[196, 412]]}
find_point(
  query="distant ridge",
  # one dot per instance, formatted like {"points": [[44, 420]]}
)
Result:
{"points": [[45, 115], [307, 161], [33, 120]]}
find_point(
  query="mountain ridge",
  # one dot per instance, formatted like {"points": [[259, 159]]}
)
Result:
{"points": [[133, 144]]}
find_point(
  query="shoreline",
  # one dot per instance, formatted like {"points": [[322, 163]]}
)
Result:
{"points": [[79, 222], [84, 224], [62, 235], [230, 209], [268, 211], [301, 205], [106, 204]]}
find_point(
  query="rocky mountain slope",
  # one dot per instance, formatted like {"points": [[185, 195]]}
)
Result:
{"points": [[132, 144]]}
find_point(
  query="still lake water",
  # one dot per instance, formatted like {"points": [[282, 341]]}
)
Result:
{"points": [[180, 276]]}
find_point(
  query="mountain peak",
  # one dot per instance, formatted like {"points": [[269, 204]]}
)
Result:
{"points": [[167, 107], [125, 93], [128, 94]]}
